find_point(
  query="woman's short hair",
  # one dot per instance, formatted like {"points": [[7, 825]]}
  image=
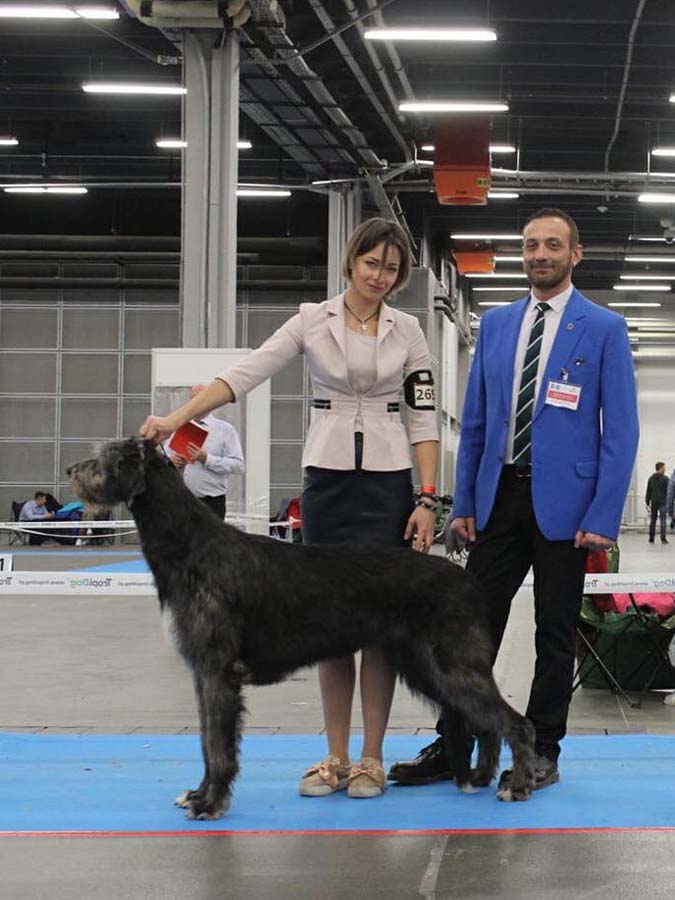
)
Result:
{"points": [[372, 233]]}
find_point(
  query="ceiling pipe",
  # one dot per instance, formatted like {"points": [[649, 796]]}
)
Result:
{"points": [[624, 81], [190, 14], [395, 59], [358, 73], [374, 58]]}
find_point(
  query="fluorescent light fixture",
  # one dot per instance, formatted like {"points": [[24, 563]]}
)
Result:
{"points": [[484, 236], [649, 259], [428, 148], [672, 98], [45, 189], [170, 143], [500, 258], [333, 181], [8, 142], [260, 192], [452, 106], [494, 302], [96, 12], [502, 148], [632, 305], [120, 87], [655, 334], [459, 35], [513, 288], [424, 162], [643, 277], [244, 145], [496, 275], [663, 151], [502, 195], [57, 12], [658, 240], [657, 198], [641, 287]]}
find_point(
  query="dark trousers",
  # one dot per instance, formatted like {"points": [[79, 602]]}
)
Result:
{"points": [[216, 504], [660, 512], [500, 559]]}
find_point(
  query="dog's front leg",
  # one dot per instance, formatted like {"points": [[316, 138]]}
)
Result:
{"points": [[184, 799], [223, 709]]}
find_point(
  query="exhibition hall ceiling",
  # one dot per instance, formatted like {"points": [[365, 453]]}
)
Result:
{"points": [[586, 89]]}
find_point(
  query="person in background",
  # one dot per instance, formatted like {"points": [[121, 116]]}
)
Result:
{"points": [[548, 441], [670, 500], [207, 468], [35, 510], [656, 498], [362, 354]]}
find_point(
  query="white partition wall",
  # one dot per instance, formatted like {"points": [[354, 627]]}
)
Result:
{"points": [[174, 371]]}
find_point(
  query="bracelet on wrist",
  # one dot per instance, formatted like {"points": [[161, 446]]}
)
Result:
{"points": [[427, 489]]}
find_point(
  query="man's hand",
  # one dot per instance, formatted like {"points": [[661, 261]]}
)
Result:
{"points": [[195, 454], [464, 528], [179, 461], [590, 541]]}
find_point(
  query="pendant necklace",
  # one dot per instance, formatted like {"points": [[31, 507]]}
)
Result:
{"points": [[363, 326]]}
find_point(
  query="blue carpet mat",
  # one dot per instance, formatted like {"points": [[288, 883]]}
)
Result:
{"points": [[128, 783], [129, 565]]}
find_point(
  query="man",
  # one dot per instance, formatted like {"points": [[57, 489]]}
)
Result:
{"points": [[656, 499], [205, 468], [670, 500], [549, 437], [36, 511]]}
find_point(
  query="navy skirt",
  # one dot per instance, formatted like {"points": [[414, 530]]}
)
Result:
{"points": [[355, 508]]}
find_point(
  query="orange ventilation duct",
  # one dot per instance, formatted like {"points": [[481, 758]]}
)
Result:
{"points": [[462, 160], [475, 261]]}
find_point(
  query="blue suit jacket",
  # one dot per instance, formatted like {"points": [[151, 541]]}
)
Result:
{"points": [[582, 460]]}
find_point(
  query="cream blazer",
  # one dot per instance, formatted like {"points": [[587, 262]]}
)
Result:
{"points": [[318, 331]]}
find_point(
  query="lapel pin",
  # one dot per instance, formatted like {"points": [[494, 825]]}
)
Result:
{"points": [[570, 326]]}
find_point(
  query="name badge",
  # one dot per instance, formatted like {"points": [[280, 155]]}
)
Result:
{"points": [[562, 393]]}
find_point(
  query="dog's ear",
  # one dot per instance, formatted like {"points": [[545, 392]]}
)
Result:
{"points": [[130, 465]]}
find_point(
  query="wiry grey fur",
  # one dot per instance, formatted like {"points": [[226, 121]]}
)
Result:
{"points": [[249, 609]]}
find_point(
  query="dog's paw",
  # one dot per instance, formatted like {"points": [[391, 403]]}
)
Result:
{"points": [[481, 778], [201, 810], [183, 800], [467, 788], [512, 794]]}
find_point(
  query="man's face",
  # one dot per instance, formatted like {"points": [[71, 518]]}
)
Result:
{"points": [[661, 470], [40, 501], [548, 259]]}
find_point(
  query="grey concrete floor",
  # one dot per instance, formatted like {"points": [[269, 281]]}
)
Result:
{"points": [[102, 665]]}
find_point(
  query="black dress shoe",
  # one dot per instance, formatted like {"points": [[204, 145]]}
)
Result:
{"points": [[664, 540], [431, 764]]}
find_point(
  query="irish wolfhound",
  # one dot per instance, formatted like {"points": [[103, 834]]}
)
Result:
{"points": [[250, 609]]}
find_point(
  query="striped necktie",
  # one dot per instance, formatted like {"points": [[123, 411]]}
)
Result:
{"points": [[522, 440]]}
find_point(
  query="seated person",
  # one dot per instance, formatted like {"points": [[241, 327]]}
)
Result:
{"points": [[36, 511]]}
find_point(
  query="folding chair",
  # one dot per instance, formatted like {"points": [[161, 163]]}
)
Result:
{"points": [[17, 537], [624, 651]]}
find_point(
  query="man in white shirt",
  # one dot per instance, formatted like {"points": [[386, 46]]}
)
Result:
{"points": [[206, 468]]}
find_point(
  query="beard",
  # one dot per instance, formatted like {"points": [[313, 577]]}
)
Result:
{"points": [[555, 274]]}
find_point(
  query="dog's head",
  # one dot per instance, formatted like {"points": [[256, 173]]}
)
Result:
{"points": [[115, 475]]}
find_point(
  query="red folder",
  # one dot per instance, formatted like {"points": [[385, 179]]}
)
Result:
{"points": [[190, 433]]}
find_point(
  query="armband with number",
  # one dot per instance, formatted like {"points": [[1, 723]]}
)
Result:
{"points": [[418, 390]]}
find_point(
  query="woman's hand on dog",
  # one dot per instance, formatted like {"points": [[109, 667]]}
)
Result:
{"points": [[465, 528], [157, 428], [420, 528]]}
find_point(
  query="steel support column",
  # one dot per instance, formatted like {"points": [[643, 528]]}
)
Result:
{"points": [[209, 201], [344, 214]]}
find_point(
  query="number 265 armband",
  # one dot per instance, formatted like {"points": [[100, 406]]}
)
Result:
{"points": [[418, 389]]}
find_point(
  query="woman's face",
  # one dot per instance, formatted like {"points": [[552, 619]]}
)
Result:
{"points": [[374, 273]]}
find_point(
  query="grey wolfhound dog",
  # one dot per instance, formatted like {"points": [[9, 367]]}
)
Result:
{"points": [[247, 609]]}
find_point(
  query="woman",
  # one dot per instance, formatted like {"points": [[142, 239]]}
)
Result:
{"points": [[357, 490]]}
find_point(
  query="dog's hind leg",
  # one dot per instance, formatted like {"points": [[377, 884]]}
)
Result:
{"points": [[458, 747], [489, 746], [519, 735], [222, 712]]}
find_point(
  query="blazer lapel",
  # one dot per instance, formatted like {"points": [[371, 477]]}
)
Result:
{"points": [[509, 333], [385, 323], [569, 332], [336, 321]]}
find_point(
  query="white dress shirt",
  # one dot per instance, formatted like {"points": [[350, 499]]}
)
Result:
{"points": [[551, 322], [224, 457]]}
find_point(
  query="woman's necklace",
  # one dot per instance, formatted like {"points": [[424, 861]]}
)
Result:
{"points": [[363, 327]]}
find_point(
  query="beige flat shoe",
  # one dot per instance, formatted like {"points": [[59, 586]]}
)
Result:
{"points": [[325, 778], [367, 779]]}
